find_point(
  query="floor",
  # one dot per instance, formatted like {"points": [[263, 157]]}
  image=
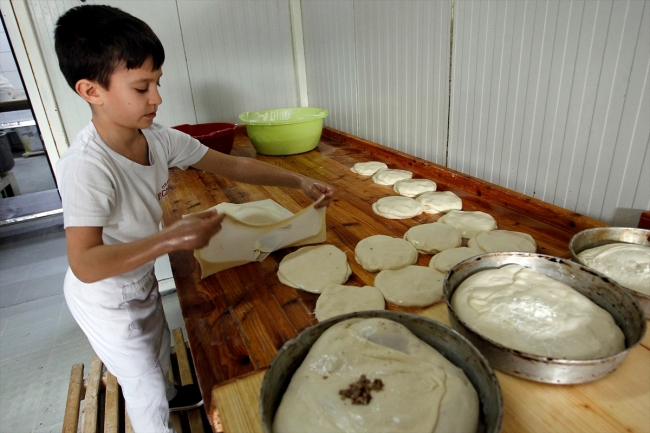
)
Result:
{"points": [[39, 339]]}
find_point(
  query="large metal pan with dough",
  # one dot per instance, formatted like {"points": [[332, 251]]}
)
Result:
{"points": [[442, 338], [596, 237], [615, 299]]}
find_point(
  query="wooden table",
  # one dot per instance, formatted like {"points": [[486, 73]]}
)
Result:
{"points": [[237, 319]]}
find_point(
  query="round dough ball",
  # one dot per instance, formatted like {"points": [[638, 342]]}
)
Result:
{"points": [[379, 252], [368, 168], [440, 202], [525, 310], [433, 238], [412, 286], [627, 264], [447, 259], [314, 267], [503, 240], [414, 187], [397, 207], [390, 176], [337, 299], [469, 224]]}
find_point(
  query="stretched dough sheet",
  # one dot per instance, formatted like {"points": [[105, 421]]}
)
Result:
{"points": [[243, 241]]}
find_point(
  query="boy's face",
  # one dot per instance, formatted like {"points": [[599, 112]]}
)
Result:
{"points": [[132, 98]]}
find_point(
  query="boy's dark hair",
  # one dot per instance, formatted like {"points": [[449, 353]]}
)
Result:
{"points": [[93, 41]]}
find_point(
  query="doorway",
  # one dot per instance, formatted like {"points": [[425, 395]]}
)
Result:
{"points": [[27, 184]]}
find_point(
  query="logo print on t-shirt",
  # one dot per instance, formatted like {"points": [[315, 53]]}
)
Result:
{"points": [[163, 191]]}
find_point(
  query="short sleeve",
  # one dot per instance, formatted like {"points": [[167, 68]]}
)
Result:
{"points": [[182, 149], [87, 193]]}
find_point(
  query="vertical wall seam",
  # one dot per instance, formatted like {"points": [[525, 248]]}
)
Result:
{"points": [[451, 51]]}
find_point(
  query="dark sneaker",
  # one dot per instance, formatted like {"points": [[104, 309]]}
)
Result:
{"points": [[187, 397]]}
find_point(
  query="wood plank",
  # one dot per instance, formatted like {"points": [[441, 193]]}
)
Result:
{"points": [[185, 372], [174, 417], [91, 402], [111, 405], [75, 394], [241, 398]]}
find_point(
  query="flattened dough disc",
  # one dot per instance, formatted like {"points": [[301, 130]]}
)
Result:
{"points": [[379, 252], [397, 207], [412, 286], [469, 224], [503, 240], [390, 176], [440, 202], [313, 268], [447, 259], [337, 299], [368, 168], [414, 187], [433, 238]]}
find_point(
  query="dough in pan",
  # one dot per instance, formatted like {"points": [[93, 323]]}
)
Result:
{"points": [[447, 259], [313, 268], [525, 310], [422, 390], [433, 237], [440, 202], [337, 299], [503, 240], [469, 224], [368, 168], [397, 207], [412, 286], [414, 187], [627, 264], [379, 252], [390, 176]]}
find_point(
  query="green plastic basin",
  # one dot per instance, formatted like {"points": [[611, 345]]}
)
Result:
{"points": [[284, 131]]}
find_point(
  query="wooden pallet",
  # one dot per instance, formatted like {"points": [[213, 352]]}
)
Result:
{"points": [[96, 405]]}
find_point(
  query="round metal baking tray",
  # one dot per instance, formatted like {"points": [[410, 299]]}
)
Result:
{"points": [[592, 238], [442, 338], [616, 300]]}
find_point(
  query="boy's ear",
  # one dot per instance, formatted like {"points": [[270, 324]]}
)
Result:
{"points": [[89, 90]]}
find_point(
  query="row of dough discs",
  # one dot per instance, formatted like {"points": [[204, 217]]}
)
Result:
{"points": [[324, 269]]}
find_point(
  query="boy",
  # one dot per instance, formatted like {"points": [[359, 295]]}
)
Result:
{"points": [[110, 181]]}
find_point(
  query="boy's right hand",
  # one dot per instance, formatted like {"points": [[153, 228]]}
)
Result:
{"points": [[195, 231]]}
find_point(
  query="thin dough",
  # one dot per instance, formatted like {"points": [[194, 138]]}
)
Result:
{"points": [[469, 224], [412, 286], [337, 299], [503, 240], [414, 187], [368, 168], [314, 267], [390, 176], [433, 238], [440, 202], [423, 391], [447, 259], [379, 252], [627, 264], [251, 231], [397, 207], [524, 310]]}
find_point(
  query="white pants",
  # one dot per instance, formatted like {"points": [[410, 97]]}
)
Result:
{"points": [[125, 324]]}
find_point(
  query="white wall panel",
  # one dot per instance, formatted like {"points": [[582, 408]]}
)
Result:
{"points": [[177, 104], [550, 98], [239, 56], [331, 63], [382, 69]]}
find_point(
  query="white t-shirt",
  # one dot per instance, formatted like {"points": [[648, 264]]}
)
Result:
{"points": [[101, 188]]}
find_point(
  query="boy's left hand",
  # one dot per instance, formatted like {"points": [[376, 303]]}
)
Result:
{"points": [[315, 190]]}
